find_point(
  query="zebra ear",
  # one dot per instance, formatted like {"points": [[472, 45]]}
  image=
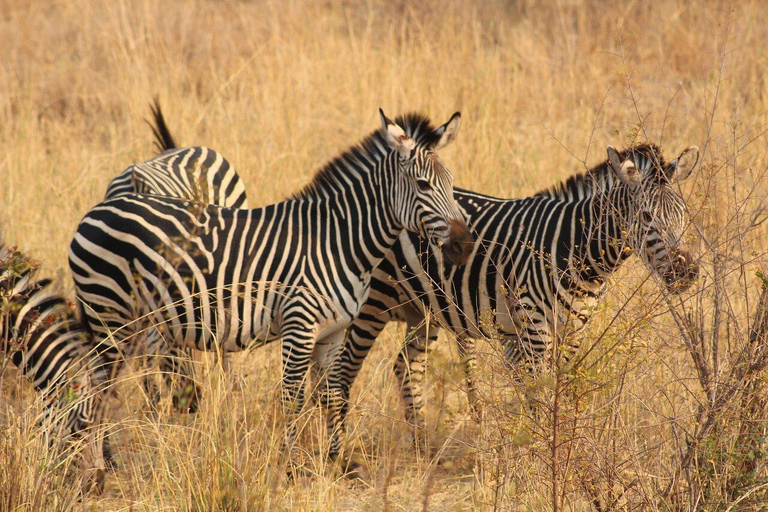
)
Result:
{"points": [[396, 136], [682, 166], [624, 170], [448, 131]]}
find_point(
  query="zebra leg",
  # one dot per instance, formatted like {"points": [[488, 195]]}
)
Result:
{"points": [[468, 357], [179, 374], [225, 358], [524, 353], [97, 455], [95, 465], [324, 355], [297, 348], [153, 349], [360, 337], [175, 366], [330, 393], [410, 368], [318, 371]]}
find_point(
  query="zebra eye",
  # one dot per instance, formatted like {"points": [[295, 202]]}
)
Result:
{"points": [[424, 185]]}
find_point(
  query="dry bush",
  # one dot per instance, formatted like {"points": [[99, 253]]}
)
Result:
{"points": [[659, 410]]}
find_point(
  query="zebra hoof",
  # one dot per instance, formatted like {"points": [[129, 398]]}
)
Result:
{"points": [[476, 411], [354, 469], [186, 399], [93, 481], [109, 459]]}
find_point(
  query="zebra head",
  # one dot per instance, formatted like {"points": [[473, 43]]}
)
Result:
{"points": [[657, 215], [423, 201]]}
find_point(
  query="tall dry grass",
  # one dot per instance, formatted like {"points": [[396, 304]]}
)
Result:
{"points": [[279, 88]]}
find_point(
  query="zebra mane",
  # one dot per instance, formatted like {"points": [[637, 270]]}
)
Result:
{"points": [[600, 176], [416, 125]]}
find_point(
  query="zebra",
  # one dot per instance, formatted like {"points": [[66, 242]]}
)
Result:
{"points": [[298, 270], [538, 268], [195, 173], [42, 334]]}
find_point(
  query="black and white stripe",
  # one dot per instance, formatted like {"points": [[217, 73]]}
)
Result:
{"points": [[297, 270], [538, 268]]}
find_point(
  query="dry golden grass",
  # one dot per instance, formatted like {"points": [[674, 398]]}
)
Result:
{"points": [[279, 88]]}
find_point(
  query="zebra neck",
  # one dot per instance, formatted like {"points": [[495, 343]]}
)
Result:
{"points": [[360, 208], [600, 248]]}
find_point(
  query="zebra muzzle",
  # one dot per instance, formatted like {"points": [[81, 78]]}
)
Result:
{"points": [[681, 272], [460, 243]]}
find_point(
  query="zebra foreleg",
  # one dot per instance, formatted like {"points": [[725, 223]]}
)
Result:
{"points": [[297, 355], [324, 355], [410, 368], [330, 393]]}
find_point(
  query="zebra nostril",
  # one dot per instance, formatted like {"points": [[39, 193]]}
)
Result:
{"points": [[459, 247], [681, 272]]}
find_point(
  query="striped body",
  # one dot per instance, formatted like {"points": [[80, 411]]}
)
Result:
{"points": [[538, 269], [207, 276], [211, 277]]}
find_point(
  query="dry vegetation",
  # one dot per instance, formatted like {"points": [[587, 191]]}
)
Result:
{"points": [[664, 408]]}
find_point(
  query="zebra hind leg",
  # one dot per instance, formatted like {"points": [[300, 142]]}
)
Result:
{"points": [[175, 365], [297, 344], [468, 356], [152, 390], [179, 373]]}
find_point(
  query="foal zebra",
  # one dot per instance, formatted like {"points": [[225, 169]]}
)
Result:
{"points": [[539, 265], [299, 269], [43, 336]]}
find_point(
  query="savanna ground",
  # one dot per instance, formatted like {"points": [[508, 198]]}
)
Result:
{"points": [[665, 408]]}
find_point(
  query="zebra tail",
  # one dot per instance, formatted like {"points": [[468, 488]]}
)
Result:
{"points": [[163, 139]]}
